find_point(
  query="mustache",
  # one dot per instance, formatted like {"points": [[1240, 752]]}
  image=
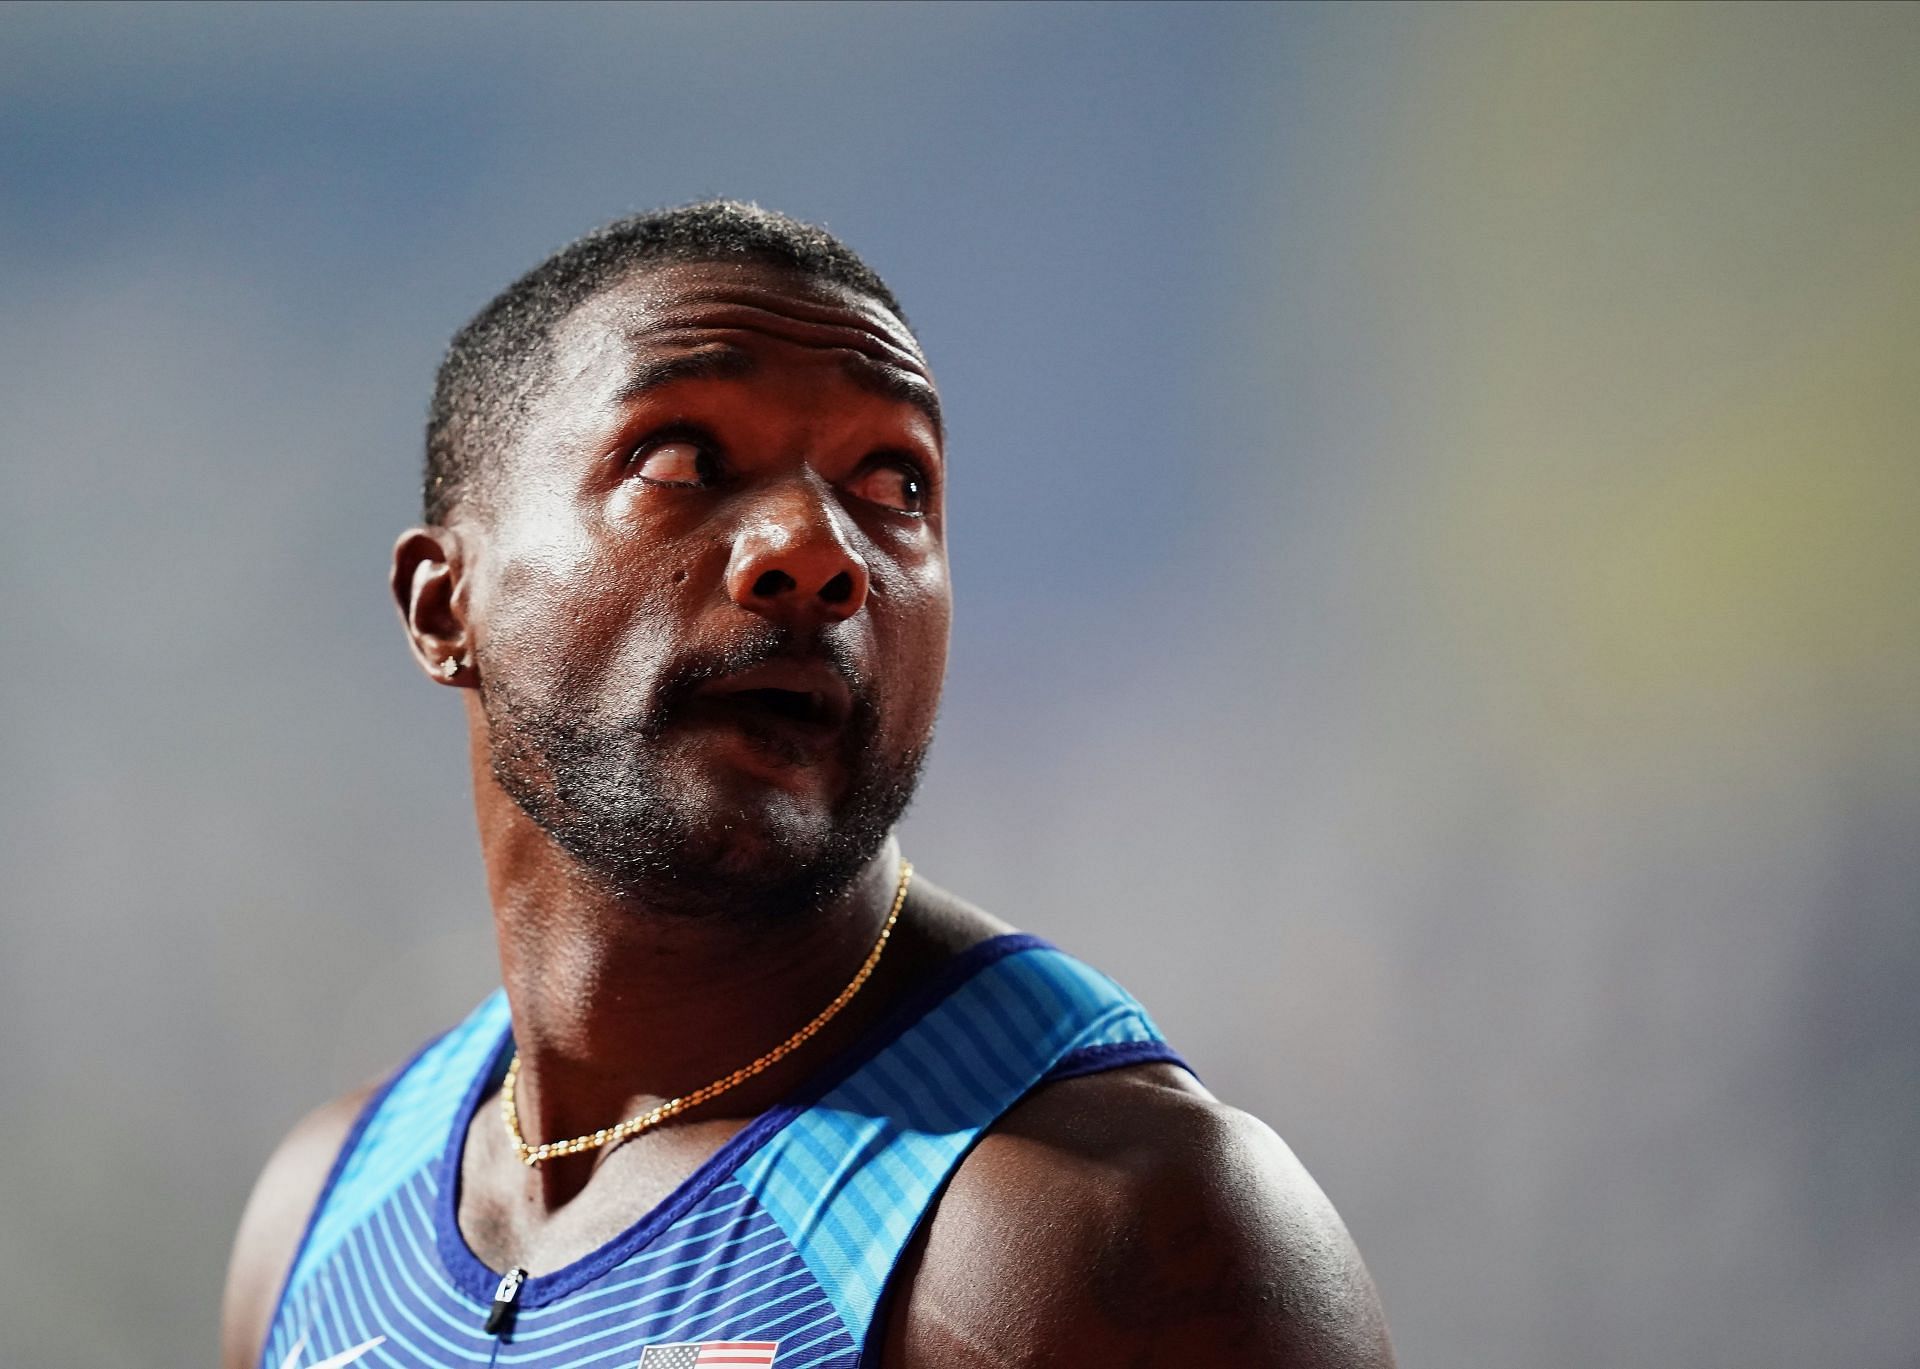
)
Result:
{"points": [[693, 670]]}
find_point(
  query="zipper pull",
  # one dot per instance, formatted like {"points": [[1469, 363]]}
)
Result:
{"points": [[500, 1315]]}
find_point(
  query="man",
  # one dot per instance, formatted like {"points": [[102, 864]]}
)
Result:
{"points": [[754, 1094]]}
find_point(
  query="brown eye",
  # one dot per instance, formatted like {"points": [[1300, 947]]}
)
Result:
{"points": [[893, 485], [674, 463]]}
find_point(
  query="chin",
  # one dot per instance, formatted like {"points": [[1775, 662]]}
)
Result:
{"points": [[734, 863], [696, 828]]}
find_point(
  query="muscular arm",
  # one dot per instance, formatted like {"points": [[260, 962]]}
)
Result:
{"points": [[1130, 1219], [271, 1226]]}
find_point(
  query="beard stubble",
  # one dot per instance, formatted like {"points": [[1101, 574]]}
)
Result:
{"points": [[599, 787]]}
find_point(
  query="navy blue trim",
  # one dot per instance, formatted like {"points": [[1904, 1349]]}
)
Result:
{"points": [[340, 1158], [474, 1277], [1113, 1056]]}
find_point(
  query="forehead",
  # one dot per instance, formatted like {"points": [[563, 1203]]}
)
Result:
{"points": [[694, 317]]}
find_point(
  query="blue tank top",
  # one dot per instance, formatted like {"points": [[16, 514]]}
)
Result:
{"points": [[775, 1252]]}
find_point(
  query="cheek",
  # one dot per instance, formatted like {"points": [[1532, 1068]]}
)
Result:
{"points": [[563, 613], [540, 635], [922, 610]]}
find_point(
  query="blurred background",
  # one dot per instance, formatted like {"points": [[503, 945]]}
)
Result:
{"points": [[1436, 518]]}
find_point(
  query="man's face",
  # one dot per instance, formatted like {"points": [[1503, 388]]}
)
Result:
{"points": [[709, 597]]}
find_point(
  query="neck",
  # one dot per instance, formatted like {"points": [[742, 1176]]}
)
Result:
{"points": [[618, 1005]]}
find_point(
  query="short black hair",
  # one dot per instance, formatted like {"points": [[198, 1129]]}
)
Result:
{"points": [[496, 363]]}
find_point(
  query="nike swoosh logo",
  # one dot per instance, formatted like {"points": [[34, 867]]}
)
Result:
{"points": [[292, 1361]]}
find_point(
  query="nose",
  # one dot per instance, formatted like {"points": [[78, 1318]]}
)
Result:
{"points": [[793, 561]]}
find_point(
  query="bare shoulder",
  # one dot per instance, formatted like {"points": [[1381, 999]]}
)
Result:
{"points": [[1131, 1218], [275, 1217]]}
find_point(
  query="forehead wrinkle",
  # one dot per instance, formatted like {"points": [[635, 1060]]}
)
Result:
{"points": [[720, 360], [845, 331], [853, 310]]}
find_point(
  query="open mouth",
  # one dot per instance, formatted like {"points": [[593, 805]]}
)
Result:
{"points": [[788, 705], [800, 701]]}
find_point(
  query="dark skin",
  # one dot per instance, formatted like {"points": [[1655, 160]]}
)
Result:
{"points": [[725, 447]]}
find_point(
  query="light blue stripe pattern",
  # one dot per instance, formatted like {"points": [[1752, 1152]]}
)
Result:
{"points": [[408, 1131], [849, 1179]]}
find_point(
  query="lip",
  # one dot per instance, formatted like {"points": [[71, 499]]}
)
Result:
{"points": [[806, 695]]}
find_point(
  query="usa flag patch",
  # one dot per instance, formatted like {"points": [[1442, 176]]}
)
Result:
{"points": [[741, 1354]]}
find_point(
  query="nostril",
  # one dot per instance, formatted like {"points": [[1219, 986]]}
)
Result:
{"points": [[838, 590], [773, 582]]}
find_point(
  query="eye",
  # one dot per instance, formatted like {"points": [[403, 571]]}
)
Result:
{"points": [[894, 484], [675, 462]]}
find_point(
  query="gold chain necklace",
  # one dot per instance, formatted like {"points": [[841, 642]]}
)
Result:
{"points": [[531, 1155]]}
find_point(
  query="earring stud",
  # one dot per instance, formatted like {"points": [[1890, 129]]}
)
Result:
{"points": [[449, 667]]}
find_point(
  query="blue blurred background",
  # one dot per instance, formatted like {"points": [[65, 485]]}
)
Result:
{"points": [[1436, 517]]}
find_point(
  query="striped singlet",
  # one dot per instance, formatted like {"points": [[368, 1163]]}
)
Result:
{"points": [[775, 1252]]}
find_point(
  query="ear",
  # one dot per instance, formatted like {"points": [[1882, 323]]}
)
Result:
{"points": [[427, 587]]}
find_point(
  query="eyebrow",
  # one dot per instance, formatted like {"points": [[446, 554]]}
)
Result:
{"points": [[732, 363]]}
